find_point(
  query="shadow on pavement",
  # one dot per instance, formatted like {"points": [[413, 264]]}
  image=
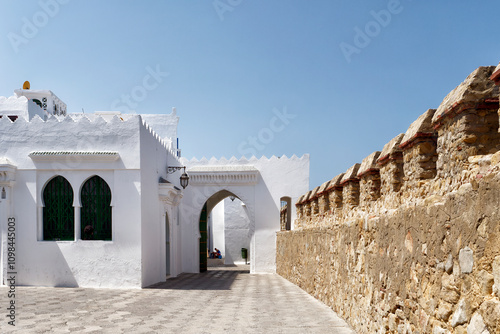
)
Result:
{"points": [[216, 278]]}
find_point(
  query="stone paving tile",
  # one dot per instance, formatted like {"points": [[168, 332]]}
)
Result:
{"points": [[221, 300]]}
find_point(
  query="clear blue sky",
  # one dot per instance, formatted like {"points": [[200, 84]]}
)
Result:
{"points": [[232, 64]]}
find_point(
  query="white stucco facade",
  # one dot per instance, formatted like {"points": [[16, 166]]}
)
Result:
{"points": [[259, 184], [130, 158], [155, 223], [14, 107], [45, 99]]}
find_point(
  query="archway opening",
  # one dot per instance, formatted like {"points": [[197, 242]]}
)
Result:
{"points": [[285, 213], [224, 227]]}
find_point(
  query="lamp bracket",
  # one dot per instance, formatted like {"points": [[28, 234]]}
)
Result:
{"points": [[171, 170]]}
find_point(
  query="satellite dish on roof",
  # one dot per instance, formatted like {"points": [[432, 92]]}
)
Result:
{"points": [[26, 85]]}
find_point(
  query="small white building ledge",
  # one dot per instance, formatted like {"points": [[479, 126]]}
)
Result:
{"points": [[64, 155], [223, 175]]}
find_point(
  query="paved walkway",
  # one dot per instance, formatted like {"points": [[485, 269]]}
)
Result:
{"points": [[221, 300]]}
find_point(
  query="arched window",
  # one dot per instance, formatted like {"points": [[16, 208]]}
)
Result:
{"points": [[58, 212], [286, 213], [96, 210]]}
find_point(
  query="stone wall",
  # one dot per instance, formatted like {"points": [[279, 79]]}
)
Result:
{"points": [[410, 240]]}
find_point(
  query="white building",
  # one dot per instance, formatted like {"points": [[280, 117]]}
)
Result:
{"points": [[93, 205], [45, 99]]}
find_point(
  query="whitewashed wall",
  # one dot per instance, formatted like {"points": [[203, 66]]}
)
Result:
{"points": [[75, 263], [164, 125], [155, 157], [20, 106], [237, 228], [277, 177], [136, 255]]}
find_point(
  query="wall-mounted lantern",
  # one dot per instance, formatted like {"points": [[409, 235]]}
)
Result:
{"points": [[4, 193], [232, 198], [184, 177]]}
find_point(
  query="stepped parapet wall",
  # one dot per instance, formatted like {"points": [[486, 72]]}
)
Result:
{"points": [[407, 241]]}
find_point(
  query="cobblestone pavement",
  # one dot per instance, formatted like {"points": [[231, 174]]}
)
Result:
{"points": [[221, 300]]}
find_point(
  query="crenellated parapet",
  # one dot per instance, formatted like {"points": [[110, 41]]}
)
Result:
{"points": [[335, 193], [419, 149], [350, 185], [299, 207], [369, 179], [390, 163], [323, 200], [306, 205], [495, 76], [441, 150], [411, 244], [313, 201], [467, 122]]}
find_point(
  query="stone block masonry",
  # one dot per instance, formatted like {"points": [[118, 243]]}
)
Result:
{"points": [[408, 240], [350, 190], [467, 122], [323, 201], [391, 166], [419, 149], [369, 175]]}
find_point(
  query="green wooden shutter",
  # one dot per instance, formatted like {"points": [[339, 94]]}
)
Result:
{"points": [[58, 211], [96, 209]]}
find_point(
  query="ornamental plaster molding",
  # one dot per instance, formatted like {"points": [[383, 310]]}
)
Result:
{"points": [[7, 172], [169, 194], [77, 155], [223, 175]]}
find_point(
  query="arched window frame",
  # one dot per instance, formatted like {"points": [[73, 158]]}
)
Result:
{"points": [[285, 213], [58, 213], [96, 209]]}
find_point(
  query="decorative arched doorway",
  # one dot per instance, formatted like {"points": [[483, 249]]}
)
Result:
{"points": [[224, 224], [207, 230], [259, 184]]}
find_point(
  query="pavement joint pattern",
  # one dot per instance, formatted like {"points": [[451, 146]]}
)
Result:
{"points": [[221, 300]]}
